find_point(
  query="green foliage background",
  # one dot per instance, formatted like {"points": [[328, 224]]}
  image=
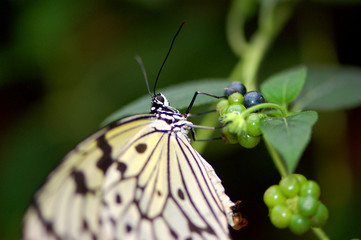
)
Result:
{"points": [[67, 65]]}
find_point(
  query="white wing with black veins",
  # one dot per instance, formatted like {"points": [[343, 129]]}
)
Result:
{"points": [[135, 180]]}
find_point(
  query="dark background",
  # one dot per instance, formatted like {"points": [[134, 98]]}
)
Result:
{"points": [[66, 65]]}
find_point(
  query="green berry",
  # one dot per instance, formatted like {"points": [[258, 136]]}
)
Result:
{"points": [[236, 108], [280, 216], [307, 205], [253, 127], [299, 224], [310, 188], [302, 179], [235, 98], [320, 217], [230, 137], [273, 196], [248, 141], [222, 106], [290, 186]]}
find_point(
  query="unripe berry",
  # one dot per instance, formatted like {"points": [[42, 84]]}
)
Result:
{"points": [[273, 196], [307, 205], [290, 186], [280, 216], [299, 224], [310, 188], [320, 217], [235, 98]]}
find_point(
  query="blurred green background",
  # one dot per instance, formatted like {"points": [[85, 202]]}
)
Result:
{"points": [[66, 65]]}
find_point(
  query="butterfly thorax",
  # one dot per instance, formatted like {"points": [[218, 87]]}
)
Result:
{"points": [[163, 111]]}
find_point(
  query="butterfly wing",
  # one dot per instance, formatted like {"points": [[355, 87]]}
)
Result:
{"points": [[172, 194], [138, 180], [67, 205]]}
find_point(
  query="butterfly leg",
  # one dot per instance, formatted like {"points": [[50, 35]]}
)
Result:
{"points": [[194, 99], [201, 113], [203, 140], [206, 128]]}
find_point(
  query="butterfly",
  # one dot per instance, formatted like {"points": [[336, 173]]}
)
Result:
{"points": [[138, 178]]}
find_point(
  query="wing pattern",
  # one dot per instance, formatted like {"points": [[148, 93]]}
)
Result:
{"points": [[135, 180]]}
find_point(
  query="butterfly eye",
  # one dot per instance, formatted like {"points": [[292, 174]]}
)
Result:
{"points": [[160, 98]]}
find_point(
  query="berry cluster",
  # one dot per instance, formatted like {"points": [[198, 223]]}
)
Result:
{"points": [[294, 203], [245, 131]]}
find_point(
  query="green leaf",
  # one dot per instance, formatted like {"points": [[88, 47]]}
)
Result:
{"points": [[290, 135], [284, 87], [179, 96], [330, 88]]}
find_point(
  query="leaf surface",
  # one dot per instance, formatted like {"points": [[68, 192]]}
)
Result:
{"points": [[290, 135]]}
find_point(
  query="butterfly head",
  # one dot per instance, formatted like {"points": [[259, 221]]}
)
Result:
{"points": [[160, 104], [160, 100]]}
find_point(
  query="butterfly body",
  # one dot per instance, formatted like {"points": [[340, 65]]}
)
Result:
{"points": [[139, 178]]}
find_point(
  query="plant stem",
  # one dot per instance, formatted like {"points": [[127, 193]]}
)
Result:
{"points": [[281, 109], [320, 233], [271, 22], [235, 22], [246, 68], [277, 160]]}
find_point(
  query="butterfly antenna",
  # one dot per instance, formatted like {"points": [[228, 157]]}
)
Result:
{"points": [[139, 60], [170, 48]]}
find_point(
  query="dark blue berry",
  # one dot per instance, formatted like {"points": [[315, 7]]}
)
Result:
{"points": [[235, 87], [253, 98]]}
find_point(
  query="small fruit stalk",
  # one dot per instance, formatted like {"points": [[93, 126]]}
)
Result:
{"points": [[294, 203], [241, 126]]}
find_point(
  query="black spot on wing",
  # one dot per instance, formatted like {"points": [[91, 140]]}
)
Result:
{"points": [[141, 147], [94, 237], [85, 225], [118, 199], [121, 167], [105, 161], [80, 182], [180, 194], [49, 227], [128, 228]]}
